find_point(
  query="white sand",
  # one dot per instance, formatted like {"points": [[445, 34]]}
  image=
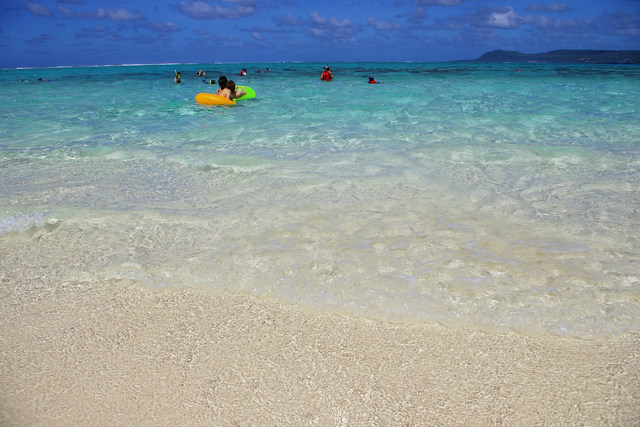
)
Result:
{"points": [[117, 354]]}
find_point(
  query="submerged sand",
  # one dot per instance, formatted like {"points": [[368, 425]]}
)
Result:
{"points": [[120, 354]]}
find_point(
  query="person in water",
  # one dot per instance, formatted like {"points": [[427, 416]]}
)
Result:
{"points": [[210, 82], [327, 75], [201, 73], [222, 82], [243, 72], [177, 77], [230, 91], [372, 80]]}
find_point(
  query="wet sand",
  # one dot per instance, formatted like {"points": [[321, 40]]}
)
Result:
{"points": [[119, 354]]}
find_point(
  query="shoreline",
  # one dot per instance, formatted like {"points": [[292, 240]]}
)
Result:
{"points": [[134, 220], [75, 353]]}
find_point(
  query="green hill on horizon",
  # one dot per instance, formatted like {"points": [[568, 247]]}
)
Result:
{"points": [[564, 56]]}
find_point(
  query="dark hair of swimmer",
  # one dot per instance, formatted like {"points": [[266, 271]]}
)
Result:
{"points": [[222, 81]]}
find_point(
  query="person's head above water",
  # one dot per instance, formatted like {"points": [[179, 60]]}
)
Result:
{"points": [[222, 81]]}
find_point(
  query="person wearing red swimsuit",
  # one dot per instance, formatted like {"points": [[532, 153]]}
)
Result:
{"points": [[327, 75]]}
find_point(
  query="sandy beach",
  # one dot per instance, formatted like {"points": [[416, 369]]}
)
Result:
{"points": [[459, 246], [119, 354]]}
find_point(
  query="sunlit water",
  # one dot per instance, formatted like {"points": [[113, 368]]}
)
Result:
{"points": [[502, 196]]}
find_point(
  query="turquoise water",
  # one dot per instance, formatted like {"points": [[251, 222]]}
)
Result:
{"points": [[491, 196]]}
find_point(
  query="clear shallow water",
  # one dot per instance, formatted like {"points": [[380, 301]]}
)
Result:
{"points": [[471, 195]]}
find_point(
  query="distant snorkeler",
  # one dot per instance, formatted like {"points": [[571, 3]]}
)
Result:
{"points": [[210, 82], [177, 77]]}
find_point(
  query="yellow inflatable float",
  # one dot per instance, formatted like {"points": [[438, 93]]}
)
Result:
{"points": [[211, 99]]}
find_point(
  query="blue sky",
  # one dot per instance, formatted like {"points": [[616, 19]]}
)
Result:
{"points": [[99, 32]]}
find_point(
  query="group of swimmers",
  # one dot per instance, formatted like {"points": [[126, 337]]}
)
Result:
{"points": [[227, 87], [327, 75], [243, 72], [201, 73]]}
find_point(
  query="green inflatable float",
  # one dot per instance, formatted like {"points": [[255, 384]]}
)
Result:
{"points": [[250, 93]]}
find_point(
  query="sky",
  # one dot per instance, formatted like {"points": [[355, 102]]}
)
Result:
{"points": [[43, 33]]}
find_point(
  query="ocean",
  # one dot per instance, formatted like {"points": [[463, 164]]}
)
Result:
{"points": [[496, 197]]}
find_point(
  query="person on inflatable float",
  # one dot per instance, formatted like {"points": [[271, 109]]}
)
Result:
{"points": [[230, 92], [222, 81], [327, 75]]}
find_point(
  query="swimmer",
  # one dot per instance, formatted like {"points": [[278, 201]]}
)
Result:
{"points": [[200, 73], [326, 75], [243, 72], [177, 77], [372, 80], [210, 82], [222, 81], [239, 92], [230, 91]]}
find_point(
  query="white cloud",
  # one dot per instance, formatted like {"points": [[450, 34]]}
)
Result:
{"points": [[288, 21], [332, 22], [113, 15], [506, 19], [383, 25], [201, 10], [331, 28], [161, 27], [37, 9], [552, 7], [438, 2], [119, 15]]}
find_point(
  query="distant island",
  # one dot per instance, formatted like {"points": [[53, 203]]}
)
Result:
{"points": [[564, 57]]}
